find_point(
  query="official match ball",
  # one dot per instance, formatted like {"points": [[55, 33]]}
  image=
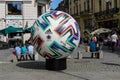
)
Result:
{"points": [[55, 35]]}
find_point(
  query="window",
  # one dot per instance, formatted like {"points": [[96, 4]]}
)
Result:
{"points": [[100, 5], [77, 9], [88, 6], [92, 5], [80, 7], [84, 6], [108, 4], [39, 10], [14, 8], [74, 9], [115, 3], [88, 24]]}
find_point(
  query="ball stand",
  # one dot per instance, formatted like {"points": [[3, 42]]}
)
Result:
{"points": [[56, 64]]}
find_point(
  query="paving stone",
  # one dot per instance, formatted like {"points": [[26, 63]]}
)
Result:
{"points": [[77, 69]]}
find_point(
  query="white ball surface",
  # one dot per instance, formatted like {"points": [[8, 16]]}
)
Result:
{"points": [[56, 35]]}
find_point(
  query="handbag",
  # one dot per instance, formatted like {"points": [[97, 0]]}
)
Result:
{"points": [[14, 53]]}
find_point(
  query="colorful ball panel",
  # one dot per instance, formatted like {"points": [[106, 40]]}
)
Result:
{"points": [[55, 35]]}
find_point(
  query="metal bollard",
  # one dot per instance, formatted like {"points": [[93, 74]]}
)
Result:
{"points": [[36, 56], [14, 58], [79, 55]]}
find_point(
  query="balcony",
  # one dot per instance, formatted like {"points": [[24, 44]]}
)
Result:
{"points": [[76, 15], [115, 10], [106, 14], [111, 11], [86, 12]]}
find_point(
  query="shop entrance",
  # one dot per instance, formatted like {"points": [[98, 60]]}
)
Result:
{"points": [[14, 38], [109, 24]]}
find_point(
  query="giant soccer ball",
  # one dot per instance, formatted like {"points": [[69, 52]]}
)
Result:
{"points": [[55, 35]]}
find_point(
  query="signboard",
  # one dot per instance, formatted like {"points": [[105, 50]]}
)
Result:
{"points": [[14, 20]]}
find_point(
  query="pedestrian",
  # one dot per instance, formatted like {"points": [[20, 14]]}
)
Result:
{"points": [[92, 47], [23, 52], [114, 39], [109, 41], [17, 51], [31, 51], [94, 38], [98, 47], [119, 42], [100, 40]]}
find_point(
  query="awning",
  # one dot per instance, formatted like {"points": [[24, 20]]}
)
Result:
{"points": [[10, 29], [28, 30]]}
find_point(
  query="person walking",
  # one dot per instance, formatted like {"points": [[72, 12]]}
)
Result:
{"points": [[114, 39], [100, 40], [23, 52], [31, 51], [18, 51], [109, 41]]}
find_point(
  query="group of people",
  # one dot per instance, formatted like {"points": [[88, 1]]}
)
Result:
{"points": [[22, 52], [94, 46], [97, 42]]}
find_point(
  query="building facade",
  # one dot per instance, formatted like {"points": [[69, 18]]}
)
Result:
{"points": [[64, 6], [20, 14], [93, 14]]}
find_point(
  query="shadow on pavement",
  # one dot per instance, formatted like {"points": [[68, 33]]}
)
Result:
{"points": [[3, 45], [87, 58], [78, 76], [84, 58], [111, 64], [32, 65], [107, 50], [118, 52]]}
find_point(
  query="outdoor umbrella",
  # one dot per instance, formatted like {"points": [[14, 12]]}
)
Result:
{"points": [[28, 30], [101, 30], [10, 29]]}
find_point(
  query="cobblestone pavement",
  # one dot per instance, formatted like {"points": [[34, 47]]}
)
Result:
{"points": [[107, 68]]}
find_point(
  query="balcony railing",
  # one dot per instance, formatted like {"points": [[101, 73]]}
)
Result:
{"points": [[86, 12], [107, 13], [75, 1]]}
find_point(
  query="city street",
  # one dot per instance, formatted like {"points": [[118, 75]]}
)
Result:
{"points": [[107, 68], [55, 28]]}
